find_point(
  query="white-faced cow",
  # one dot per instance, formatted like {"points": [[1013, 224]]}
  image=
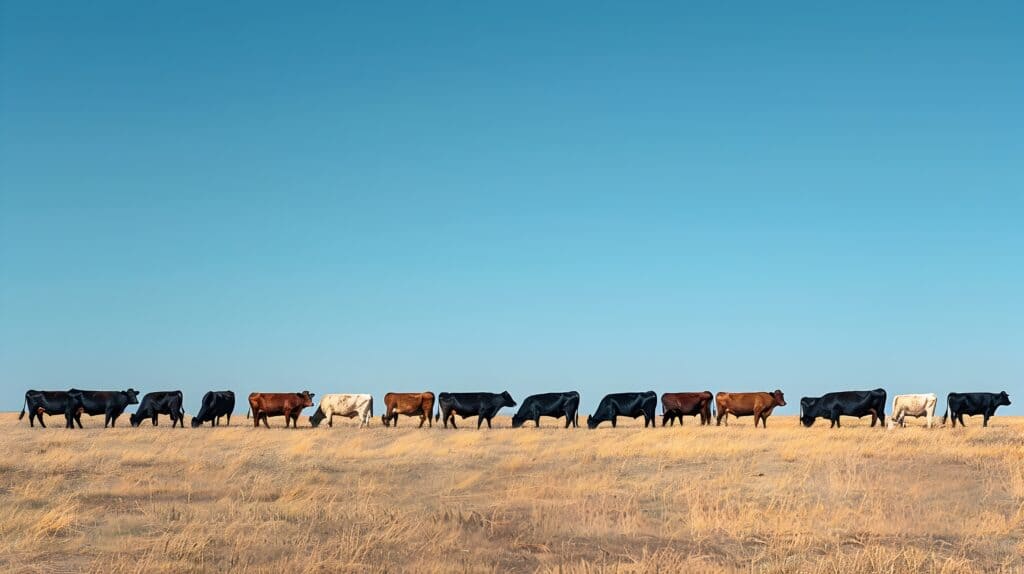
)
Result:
{"points": [[921, 405], [350, 406]]}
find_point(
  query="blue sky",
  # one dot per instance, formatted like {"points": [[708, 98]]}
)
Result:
{"points": [[525, 196]]}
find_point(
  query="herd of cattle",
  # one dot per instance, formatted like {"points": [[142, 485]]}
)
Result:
{"points": [[220, 404]]}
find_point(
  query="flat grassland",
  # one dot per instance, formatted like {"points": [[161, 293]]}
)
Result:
{"points": [[787, 499]]}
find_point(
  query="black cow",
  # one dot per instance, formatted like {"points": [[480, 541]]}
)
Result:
{"points": [[630, 405], [110, 404], [846, 403], [556, 405], [39, 403], [970, 404], [482, 405], [216, 404], [160, 403]]}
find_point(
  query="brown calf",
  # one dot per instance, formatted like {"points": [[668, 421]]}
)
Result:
{"points": [[410, 405], [760, 405], [290, 405], [686, 404]]}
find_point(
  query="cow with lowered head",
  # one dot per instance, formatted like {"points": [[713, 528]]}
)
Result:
{"points": [[971, 404], [288, 405], [343, 405], [160, 403], [481, 405], [216, 404], [110, 404], [555, 405], [831, 406], [631, 405], [678, 405]]}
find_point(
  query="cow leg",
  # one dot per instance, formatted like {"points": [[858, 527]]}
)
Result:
{"points": [[154, 420], [984, 421], [489, 421], [41, 423], [479, 421], [615, 420], [452, 416], [266, 420], [330, 420]]}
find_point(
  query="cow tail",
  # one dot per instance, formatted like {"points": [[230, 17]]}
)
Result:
{"points": [[25, 406], [945, 413], [437, 416], [247, 412], [371, 407]]}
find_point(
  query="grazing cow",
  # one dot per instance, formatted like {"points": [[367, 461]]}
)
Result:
{"points": [[350, 406], [555, 405], [481, 405], [160, 403], [288, 405], [904, 406], [216, 404], [678, 405], [970, 404], [410, 405], [110, 404], [760, 405], [845, 403], [630, 405], [39, 403]]}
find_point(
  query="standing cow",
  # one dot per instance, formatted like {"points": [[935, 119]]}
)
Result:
{"points": [[678, 405], [845, 403], [631, 405], [160, 403], [216, 404], [970, 404], [555, 405], [39, 403], [110, 404], [288, 405], [350, 406], [758, 405], [904, 406], [481, 405], [410, 405]]}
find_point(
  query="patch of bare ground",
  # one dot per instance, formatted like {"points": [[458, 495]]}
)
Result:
{"points": [[711, 499]]}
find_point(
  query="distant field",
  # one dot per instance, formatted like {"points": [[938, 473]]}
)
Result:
{"points": [[787, 499]]}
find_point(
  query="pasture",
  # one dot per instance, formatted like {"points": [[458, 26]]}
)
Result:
{"points": [[787, 499]]}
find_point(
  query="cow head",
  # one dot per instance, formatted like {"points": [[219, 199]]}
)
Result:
{"points": [[806, 406], [307, 398], [507, 400], [1004, 399], [385, 420], [778, 398], [135, 419], [196, 423], [133, 396], [317, 418], [517, 420], [591, 423]]}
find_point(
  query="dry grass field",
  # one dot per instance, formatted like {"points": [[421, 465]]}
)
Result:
{"points": [[626, 500]]}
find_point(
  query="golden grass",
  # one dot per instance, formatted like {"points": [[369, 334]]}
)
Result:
{"points": [[787, 499]]}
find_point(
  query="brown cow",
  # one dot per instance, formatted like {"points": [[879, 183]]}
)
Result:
{"points": [[745, 404], [290, 405], [686, 404], [408, 404]]}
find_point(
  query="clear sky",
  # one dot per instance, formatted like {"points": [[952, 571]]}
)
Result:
{"points": [[601, 196]]}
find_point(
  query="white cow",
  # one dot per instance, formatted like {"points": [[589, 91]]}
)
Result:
{"points": [[350, 406], [904, 406]]}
